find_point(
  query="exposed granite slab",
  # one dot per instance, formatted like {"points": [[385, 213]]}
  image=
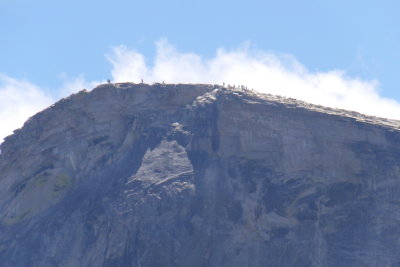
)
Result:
{"points": [[199, 175]]}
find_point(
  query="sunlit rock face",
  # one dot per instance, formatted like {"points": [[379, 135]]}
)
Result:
{"points": [[199, 175]]}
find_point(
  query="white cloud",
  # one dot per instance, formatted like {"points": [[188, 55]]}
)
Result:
{"points": [[21, 99], [127, 65], [74, 85], [18, 101], [265, 72]]}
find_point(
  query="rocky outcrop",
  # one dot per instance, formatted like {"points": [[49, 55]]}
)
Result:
{"points": [[199, 175]]}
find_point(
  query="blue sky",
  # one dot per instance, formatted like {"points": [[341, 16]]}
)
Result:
{"points": [[48, 44]]}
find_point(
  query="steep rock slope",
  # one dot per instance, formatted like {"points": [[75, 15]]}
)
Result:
{"points": [[199, 175]]}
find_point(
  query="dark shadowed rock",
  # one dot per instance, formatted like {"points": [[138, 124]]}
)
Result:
{"points": [[199, 175]]}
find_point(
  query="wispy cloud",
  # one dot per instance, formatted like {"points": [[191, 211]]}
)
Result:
{"points": [[72, 85], [263, 71], [18, 101]]}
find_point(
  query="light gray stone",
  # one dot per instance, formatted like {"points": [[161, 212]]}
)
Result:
{"points": [[199, 175]]}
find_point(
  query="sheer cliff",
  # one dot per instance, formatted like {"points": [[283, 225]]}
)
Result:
{"points": [[199, 175]]}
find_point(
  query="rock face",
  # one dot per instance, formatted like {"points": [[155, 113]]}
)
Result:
{"points": [[199, 175]]}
